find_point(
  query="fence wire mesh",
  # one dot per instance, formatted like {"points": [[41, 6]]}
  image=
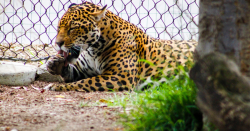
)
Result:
{"points": [[28, 27]]}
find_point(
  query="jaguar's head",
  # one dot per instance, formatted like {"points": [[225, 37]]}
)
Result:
{"points": [[78, 30]]}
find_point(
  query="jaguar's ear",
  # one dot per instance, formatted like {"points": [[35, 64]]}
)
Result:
{"points": [[99, 14], [73, 4]]}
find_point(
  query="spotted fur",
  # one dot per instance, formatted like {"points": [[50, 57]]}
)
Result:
{"points": [[99, 51]]}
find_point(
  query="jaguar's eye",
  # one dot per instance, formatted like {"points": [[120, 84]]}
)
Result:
{"points": [[70, 30]]}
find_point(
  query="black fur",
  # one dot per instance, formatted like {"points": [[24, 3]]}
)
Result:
{"points": [[74, 52], [73, 4]]}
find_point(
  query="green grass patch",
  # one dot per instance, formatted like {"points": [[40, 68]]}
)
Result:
{"points": [[170, 106]]}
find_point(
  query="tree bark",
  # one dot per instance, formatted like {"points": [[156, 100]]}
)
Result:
{"points": [[224, 94], [224, 27], [222, 70]]}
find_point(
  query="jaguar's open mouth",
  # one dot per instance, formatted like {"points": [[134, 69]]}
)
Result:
{"points": [[65, 55], [71, 55]]}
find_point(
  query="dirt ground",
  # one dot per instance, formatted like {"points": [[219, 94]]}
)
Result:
{"points": [[28, 108]]}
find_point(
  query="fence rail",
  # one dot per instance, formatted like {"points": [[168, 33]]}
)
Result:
{"points": [[28, 27]]}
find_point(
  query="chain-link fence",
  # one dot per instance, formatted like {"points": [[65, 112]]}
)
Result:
{"points": [[28, 27]]}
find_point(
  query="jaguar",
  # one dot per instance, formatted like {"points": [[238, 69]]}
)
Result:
{"points": [[100, 51]]}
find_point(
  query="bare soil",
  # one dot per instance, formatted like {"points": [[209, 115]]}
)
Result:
{"points": [[28, 108]]}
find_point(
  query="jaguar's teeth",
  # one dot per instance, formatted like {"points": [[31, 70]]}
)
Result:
{"points": [[65, 54], [60, 52]]}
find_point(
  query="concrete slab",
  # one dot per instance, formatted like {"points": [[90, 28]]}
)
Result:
{"points": [[18, 74]]}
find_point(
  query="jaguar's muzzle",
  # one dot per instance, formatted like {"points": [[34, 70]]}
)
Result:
{"points": [[73, 53]]}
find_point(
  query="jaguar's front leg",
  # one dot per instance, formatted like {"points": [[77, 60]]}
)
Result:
{"points": [[97, 83]]}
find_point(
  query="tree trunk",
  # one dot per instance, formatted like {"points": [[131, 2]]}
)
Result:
{"points": [[224, 27], [223, 63], [223, 93]]}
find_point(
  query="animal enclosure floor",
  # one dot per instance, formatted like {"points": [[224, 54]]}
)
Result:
{"points": [[29, 108]]}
